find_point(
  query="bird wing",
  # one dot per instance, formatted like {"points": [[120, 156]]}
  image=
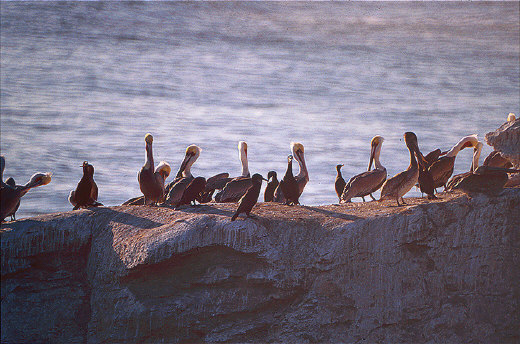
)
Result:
{"points": [[217, 182], [364, 184], [94, 191], [495, 159], [234, 190], [176, 191], [441, 170]]}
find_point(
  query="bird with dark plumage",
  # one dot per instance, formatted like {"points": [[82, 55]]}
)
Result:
{"points": [[247, 202], [302, 177], [340, 183], [272, 184], [10, 181], [193, 192], [216, 182], [289, 185], [10, 195], [236, 187], [86, 193]]}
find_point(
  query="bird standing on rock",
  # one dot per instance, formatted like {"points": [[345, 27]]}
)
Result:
{"points": [[289, 185], [10, 195], [246, 203], [369, 181], [193, 192], [272, 184], [86, 193], [151, 182], [339, 184], [397, 186]]}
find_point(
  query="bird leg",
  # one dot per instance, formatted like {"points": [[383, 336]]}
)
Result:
{"points": [[363, 197], [402, 200], [398, 202], [373, 199]]}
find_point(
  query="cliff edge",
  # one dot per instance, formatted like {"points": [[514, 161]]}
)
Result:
{"points": [[430, 272]]}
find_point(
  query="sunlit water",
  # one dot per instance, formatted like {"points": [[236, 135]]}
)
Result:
{"points": [[86, 81]]}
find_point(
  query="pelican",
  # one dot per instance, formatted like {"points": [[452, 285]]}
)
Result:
{"points": [[302, 177], [193, 192], [485, 179], [474, 165], [86, 193], [442, 169], [370, 181], [495, 159], [289, 185], [237, 187], [151, 182], [272, 184], [247, 202], [339, 183], [217, 182], [176, 188], [397, 186], [10, 195]]}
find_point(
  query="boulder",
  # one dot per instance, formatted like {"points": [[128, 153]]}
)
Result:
{"points": [[443, 271]]}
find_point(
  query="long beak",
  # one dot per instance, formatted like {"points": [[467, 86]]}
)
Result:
{"points": [[420, 158], [265, 179], [372, 153], [187, 158]]}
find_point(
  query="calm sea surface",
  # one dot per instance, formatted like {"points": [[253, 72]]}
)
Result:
{"points": [[86, 81]]}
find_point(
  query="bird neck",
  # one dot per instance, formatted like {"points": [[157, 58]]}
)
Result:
{"points": [[289, 173], [413, 161], [245, 165], [303, 167], [149, 157], [377, 153], [456, 149]]}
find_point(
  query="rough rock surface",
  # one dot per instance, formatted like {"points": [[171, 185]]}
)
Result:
{"points": [[446, 271], [506, 140]]}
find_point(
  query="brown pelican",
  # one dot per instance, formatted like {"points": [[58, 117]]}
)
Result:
{"points": [[272, 184], [397, 186], [217, 182], [442, 169], [370, 181], [302, 177], [495, 159], [10, 195], [289, 185], [474, 165], [151, 182], [193, 192], [339, 184], [238, 186], [176, 188], [247, 202], [485, 179], [86, 193]]}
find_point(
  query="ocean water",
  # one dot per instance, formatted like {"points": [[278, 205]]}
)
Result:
{"points": [[86, 81]]}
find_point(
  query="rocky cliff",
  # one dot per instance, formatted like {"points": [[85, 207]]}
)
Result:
{"points": [[431, 272]]}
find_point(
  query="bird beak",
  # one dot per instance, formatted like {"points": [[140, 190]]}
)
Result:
{"points": [[187, 158], [265, 179], [372, 153]]}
